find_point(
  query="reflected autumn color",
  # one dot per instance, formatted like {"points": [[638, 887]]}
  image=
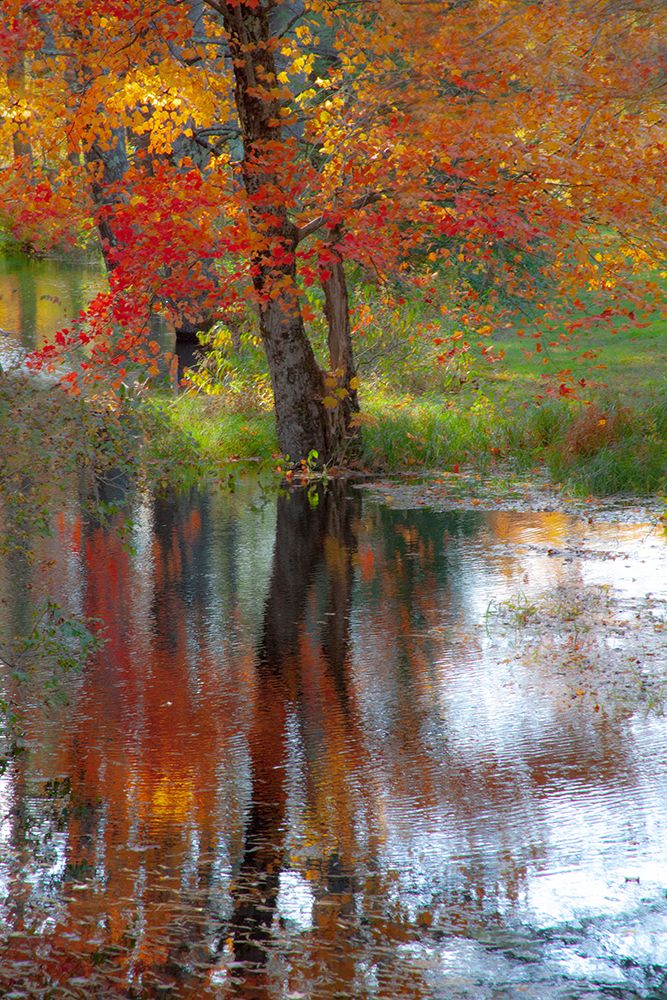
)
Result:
{"points": [[306, 764], [38, 297]]}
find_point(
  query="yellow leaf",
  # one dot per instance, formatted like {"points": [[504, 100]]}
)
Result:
{"points": [[330, 402]]}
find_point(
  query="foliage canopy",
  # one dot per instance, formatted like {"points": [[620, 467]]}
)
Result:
{"points": [[233, 155]]}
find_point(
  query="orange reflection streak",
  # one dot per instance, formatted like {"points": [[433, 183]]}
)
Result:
{"points": [[144, 759]]}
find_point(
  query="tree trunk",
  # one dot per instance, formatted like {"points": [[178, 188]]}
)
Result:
{"points": [[341, 356], [337, 311], [16, 83], [296, 380], [295, 376], [108, 167]]}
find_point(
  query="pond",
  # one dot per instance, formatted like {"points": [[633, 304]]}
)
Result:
{"points": [[40, 296], [335, 749]]}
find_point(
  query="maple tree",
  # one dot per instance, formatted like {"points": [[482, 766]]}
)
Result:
{"points": [[236, 155]]}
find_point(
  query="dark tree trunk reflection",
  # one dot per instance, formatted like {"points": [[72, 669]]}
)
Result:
{"points": [[315, 541]]}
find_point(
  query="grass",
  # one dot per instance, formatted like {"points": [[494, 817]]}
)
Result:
{"points": [[430, 431], [484, 418], [219, 435], [613, 440], [631, 360], [418, 413]]}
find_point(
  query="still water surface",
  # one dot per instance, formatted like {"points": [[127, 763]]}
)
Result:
{"points": [[39, 297], [318, 758]]}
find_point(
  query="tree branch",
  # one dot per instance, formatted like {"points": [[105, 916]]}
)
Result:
{"points": [[215, 6], [320, 220]]}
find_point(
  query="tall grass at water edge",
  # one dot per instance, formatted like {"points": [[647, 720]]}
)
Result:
{"points": [[421, 414]]}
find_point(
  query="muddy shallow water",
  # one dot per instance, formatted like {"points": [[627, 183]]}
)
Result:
{"points": [[335, 748]]}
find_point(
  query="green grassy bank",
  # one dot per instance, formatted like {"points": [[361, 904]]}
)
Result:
{"points": [[428, 417], [601, 449], [611, 439]]}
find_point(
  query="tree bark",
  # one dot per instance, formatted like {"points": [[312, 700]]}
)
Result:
{"points": [[341, 355], [16, 83], [109, 166], [295, 376], [296, 380]]}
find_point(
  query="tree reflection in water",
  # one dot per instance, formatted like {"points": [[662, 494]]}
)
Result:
{"points": [[314, 550], [300, 772]]}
